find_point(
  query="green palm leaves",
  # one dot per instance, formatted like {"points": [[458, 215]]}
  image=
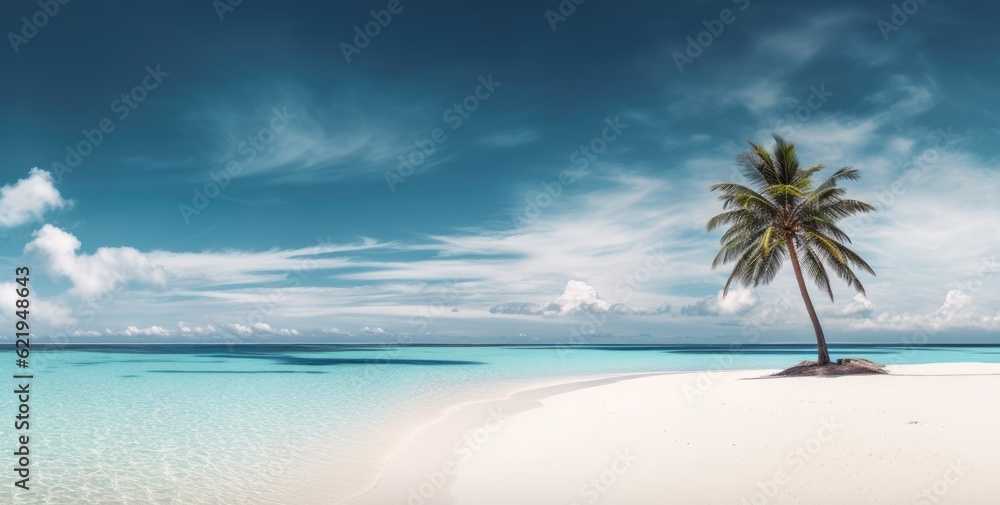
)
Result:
{"points": [[780, 208]]}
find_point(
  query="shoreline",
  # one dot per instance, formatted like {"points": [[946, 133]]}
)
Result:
{"points": [[512, 398], [451, 458]]}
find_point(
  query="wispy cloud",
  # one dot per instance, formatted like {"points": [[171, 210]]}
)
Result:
{"points": [[292, 135], [509, 138], [798, 43]]}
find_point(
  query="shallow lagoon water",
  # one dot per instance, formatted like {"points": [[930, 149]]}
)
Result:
{"points": [[187, 424]]}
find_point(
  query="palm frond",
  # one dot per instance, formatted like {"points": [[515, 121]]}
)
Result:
{"points": [[848, 173], [780, 207], [740, 197], [813, 266]]}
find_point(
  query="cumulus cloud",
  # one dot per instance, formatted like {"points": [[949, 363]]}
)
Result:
{"points": [[49, 312], [130, 331], [250, 330], [954, 304], [93, 274], [737, 302], [858, 307], [957, 311], [152, 331], [578, 298], [197, 330], [28, 199], [260, 329]]}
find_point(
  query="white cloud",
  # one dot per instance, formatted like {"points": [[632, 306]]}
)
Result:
{"points": [[909, 98], [260, 329], [901, 145], [29, 199], [932, 222], [315, 137], [957, 311], [624, 258], [93, 274], [220, 268], [955, 303], [49, 312], [858, 307], [152, 331], [760, 95], [254, 330], [578, 298], [831, 137], [737, 301], [798, 43], [638, 240], [197, 330]]}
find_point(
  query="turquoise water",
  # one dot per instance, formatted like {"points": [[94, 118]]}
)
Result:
{"points": [[261, 424]]}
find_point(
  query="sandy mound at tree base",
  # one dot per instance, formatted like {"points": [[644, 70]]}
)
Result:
{"points": [[844, 366]]}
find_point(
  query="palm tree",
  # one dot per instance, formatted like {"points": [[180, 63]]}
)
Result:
{"points": [[780, 214]]}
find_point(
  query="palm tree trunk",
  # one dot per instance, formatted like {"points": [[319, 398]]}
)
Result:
{"points": [[824, 354]]}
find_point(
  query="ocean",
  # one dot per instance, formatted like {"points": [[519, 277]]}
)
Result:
{"points": [[273, 424]]}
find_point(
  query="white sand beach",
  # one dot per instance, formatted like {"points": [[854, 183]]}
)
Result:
{"points": [[926, 434]]}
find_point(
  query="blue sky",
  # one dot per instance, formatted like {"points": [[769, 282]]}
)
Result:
{"points": [[489, 172]]}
